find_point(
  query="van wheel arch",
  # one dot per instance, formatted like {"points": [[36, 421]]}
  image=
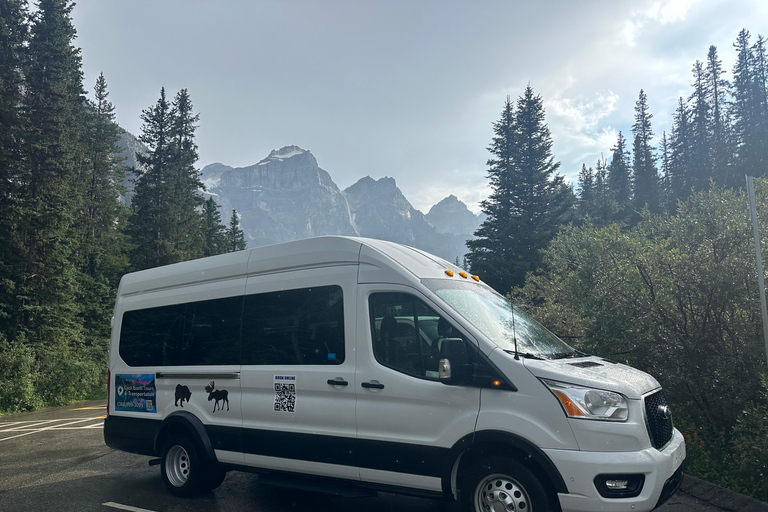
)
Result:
{"points": [[186, 424], [482, 445]]}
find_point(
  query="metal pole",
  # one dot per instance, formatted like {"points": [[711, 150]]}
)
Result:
{"points": [[759, 258]]}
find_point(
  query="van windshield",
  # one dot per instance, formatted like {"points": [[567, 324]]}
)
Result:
{"points": [[500, 320]]}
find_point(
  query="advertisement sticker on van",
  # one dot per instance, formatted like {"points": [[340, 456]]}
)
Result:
{"points": [[135, 392]]}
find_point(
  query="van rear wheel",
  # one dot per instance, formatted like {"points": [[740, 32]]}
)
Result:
{"points": [[181, 468], [496, 484]]}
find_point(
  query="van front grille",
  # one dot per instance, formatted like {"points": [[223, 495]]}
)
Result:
{"points": [[658, 419]]}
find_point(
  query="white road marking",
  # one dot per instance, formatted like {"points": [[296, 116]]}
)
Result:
{"points": [[33, 430], [125, 507], [29, 423]]}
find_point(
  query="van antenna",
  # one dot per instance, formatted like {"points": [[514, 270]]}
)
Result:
{"points": [[514, 331]]}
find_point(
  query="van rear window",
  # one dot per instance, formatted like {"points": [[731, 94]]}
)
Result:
{"points": [[197, 333], [290, 327]]}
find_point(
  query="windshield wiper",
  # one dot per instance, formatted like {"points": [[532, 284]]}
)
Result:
{"points": [[523, 354]]}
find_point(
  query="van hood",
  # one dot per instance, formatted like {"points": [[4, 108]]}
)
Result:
{"points": [[595, 372]]}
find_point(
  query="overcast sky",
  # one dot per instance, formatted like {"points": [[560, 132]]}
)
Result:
{"points": [[403, 88]]}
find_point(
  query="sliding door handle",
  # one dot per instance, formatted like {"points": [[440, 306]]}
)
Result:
{"points": [[338, 381], [374, 384]]}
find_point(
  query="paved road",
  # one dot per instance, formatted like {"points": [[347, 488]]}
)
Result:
{"points": [[55, 460]]}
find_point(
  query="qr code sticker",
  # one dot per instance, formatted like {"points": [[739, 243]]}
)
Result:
{"points": [[285, 397]]}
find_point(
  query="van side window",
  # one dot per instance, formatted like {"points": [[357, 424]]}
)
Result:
{"points": [[294, 327], [212, 332], [406, 334], [152, 337], [198, 333]]}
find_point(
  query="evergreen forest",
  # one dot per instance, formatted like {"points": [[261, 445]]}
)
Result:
{"points": [[66, 237]]}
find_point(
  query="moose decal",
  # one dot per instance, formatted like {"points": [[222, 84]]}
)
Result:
{"points": [[182, 393], [218, 395]]}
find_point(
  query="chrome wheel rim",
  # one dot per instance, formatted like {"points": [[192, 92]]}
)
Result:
{"points": [[177, 466], [500, 493]]}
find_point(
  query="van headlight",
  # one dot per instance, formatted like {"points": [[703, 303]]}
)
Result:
{"points": [[589, 403]]}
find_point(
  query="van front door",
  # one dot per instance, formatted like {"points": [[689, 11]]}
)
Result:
{"points": [[407, 420]]}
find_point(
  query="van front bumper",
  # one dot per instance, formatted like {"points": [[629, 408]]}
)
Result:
{"points": [[662, 470]]}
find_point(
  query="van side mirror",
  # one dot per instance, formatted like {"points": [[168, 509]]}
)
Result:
{"points": [[454, 366]]}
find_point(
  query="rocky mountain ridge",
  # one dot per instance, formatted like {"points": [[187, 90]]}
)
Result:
{"points": [[288, 196]]}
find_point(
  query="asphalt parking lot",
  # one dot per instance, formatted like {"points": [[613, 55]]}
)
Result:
{"points": [[56, 460]]}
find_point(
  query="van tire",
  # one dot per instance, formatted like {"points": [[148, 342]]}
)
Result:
{"points": [[501, 481], [214, 476], [181, 468]]}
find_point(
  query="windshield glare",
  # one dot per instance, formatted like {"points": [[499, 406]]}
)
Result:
{"points": [[498, 319]]}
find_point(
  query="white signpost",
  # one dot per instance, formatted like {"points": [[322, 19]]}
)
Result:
{"points": [[759, 258]]}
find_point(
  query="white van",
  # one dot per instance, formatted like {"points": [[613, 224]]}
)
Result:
{"points": [[351, 363]]}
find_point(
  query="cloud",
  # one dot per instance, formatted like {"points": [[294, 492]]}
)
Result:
{"points": [[580, 127], [664, 12]]}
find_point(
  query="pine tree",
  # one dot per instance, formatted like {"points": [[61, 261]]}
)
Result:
{"points": [[13, 36], [700, 167], [717, 89], [529, 200], [167, 224], [745, 112], [760, 88], [665, 189], [149, 223], [680, 156], [102, 256], [586, 184], [619, 179], [215, 233], [646, 190], [235, 235], [604, 209], [50, 198], [187, 200]]}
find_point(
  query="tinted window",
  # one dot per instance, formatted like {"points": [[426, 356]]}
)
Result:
{"points": [[152, 337], [294, 327], [406, 334], [212, 332], [198, 333]]}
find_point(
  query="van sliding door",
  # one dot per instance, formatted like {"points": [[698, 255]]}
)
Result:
{"points": [[298, 373]]}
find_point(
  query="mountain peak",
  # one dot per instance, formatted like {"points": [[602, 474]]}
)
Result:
{"points": [[452, 216], [285, 152]]}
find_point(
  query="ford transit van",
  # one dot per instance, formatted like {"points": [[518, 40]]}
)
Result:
{"points": [[361, 364]]}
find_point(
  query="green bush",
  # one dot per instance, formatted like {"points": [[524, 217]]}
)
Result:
{"points": [[17, 391]]}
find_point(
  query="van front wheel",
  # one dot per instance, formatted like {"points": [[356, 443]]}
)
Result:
{"points": [[502, 484]]}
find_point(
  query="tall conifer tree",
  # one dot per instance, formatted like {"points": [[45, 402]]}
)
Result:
{"points": [[619, 179], [13, 36], [529, 200], [50, 199], [235, 235], [646, 175], [717, 91], [102, 256], [700, 167], [215, 232], [745, 112], [167, 224], [679, 156]]}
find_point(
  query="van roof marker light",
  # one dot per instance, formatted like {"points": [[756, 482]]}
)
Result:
{"points": [[449, 273], [476, 278], [463, 274]]}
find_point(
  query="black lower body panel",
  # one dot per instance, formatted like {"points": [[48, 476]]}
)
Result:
{"points": [[134, 435]]}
